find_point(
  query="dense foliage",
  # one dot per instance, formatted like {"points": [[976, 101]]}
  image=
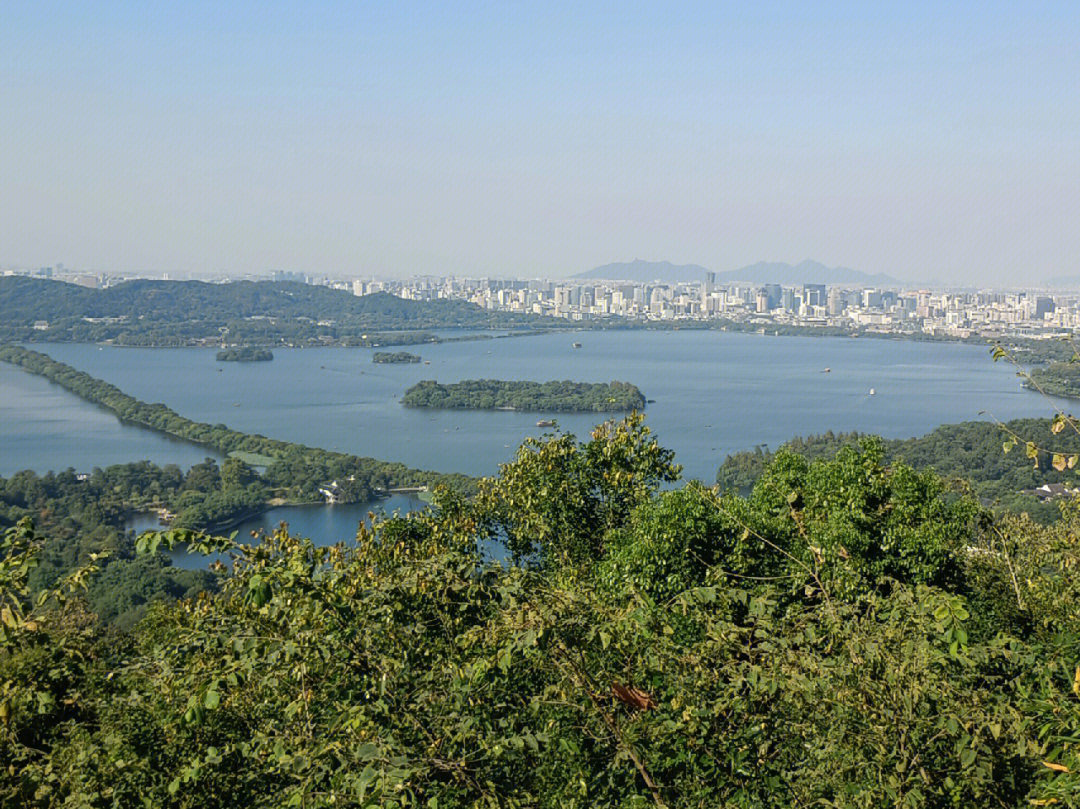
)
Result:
{"points": [[1056, 379], [85, 515], [297, 470], [971, 451], [851, 634], [498, 394], [1033, 352], [394, 357], [245, 354]]}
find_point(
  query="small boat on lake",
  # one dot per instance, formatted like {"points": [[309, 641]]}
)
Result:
{"points": [[872, 391], [575, 345], [545, 423], [826, 370]]}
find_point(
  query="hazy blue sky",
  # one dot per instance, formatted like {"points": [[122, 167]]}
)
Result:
{"points": [[925, 140]]}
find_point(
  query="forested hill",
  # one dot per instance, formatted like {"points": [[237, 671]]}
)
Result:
{"points": [[971, 450], [28, 299], [159, 308]]}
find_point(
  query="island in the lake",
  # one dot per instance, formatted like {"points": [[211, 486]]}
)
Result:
{"points": [[498, 394], [245, 354], [394, 357]]}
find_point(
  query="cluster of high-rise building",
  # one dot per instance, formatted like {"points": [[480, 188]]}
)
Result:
{"points": [[900, 310], [937, 312]]}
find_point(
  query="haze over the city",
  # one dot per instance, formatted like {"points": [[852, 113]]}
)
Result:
{"points": [[908, 139]]}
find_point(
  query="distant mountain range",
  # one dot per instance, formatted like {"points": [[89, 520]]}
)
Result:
{"points": [[764, 272], [646, 271]]}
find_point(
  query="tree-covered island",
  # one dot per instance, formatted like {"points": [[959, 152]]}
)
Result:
{"points": [[245, 354], [394, 357], [500, 394]]}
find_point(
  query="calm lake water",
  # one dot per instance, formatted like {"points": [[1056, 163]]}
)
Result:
{"points": [[715, 393], [43, 427], [324, 524]]}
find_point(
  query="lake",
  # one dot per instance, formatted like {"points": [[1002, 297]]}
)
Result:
{"points": [[325, 524], [715, 393], [44, 427]]}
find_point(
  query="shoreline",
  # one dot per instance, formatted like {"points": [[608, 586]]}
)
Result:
{"points": [[251, 512]]}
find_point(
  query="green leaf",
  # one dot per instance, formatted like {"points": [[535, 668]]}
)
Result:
{"points": [[148, 542], [367, 751]]}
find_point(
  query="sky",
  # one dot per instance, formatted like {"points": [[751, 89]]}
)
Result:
{"points": [[923, 140]]}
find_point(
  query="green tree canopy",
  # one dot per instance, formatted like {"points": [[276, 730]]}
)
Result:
{"points": [[852, 634]]}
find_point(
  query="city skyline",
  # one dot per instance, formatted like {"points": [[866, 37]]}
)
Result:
{"points": [[756, 277]]}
